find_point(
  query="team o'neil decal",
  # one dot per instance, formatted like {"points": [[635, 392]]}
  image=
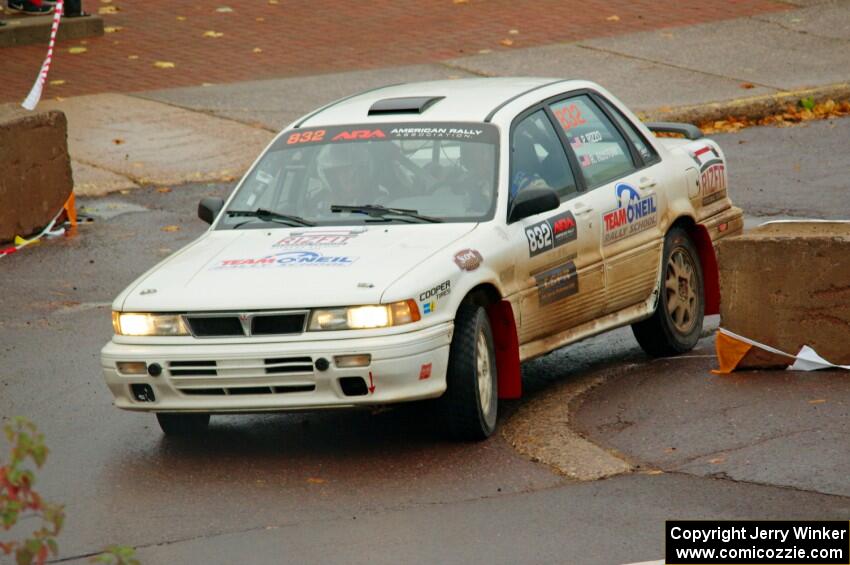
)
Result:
{"points": [[712, 174], [556, 283], [634, 213], [551, 233], [288, 259]]}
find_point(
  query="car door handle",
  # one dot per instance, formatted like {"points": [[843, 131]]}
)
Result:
{"points": [[646, 183]]}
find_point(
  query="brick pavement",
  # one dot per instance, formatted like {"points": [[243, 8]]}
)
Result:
{"points": [[274, 38]]}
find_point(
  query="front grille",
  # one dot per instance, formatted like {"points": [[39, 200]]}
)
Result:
{"points": [[277, 324], [225, 377], [240, 324], [215, 326]]}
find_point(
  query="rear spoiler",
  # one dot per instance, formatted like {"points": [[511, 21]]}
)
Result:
{"points": [[688, 130]]}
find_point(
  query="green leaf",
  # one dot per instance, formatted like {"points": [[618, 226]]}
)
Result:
{"points": [[807, 103], [24, 556]]}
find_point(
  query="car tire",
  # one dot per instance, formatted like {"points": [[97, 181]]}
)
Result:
{"points": [[676, 325], [183, 424], [469, 407]]}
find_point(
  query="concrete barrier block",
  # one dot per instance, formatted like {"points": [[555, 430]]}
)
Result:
{"points": [[787, 284], [35, 169]]}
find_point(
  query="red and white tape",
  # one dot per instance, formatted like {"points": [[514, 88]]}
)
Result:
{"points": [[34, 96]]}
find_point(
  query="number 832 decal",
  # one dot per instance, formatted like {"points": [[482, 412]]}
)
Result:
{"points": [[551, 233]]}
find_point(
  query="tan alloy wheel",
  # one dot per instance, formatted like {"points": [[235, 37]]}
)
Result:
{"points": [[681, 287]]}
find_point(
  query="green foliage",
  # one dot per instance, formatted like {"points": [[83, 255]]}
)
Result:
{"points": [[117, 555], [18, 496], [807, 103]]}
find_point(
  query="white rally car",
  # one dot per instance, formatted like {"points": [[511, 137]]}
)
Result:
{"points": [[420, 241]]}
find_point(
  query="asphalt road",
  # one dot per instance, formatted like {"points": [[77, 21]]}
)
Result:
{"points": [[381, 487]]}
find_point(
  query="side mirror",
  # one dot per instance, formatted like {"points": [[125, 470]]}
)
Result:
{"points": [[208, 209], [531, 201]]}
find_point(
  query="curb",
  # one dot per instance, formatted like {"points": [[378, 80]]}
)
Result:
{"points": [[754, 107], [541, 431], [36, 29]]}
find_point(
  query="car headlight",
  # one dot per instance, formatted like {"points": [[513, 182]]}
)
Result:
{"points": [[364, 317], [127, 323]]}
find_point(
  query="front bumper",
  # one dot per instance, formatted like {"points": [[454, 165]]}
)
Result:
{"points": [[252, 377]]}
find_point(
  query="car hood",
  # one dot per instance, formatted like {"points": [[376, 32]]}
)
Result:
{"points": [[288, 268]]}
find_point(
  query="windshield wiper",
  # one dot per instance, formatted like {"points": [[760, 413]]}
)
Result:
{"points": [[271, 216], [378, 211]]}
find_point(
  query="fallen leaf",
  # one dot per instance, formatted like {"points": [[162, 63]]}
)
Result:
{"points": [[112, 29], [654, 472], [507, 42], [260, 19], [106, 10], [257, 50], [614, 18], [224, 9], [164, 65], [485, 51], [747, 85], [513, 31], [667, 35], [181, 18], [170, 228], [59, 99], [460, 1], [273, 2], [132, 57], [817, 401], [125, 191], [213, 33], [106, 1], [77, 50], [163, 189], [57, 82], [315, 480], [118, 141], [717, 460], [205, 84]]}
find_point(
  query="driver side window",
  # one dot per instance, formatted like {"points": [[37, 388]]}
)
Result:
{"points": [[538, 158]]}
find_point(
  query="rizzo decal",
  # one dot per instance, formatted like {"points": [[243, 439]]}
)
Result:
{"points": [[289, 259], [712, 173], [551, 233], [320, 238], [632, 215], [468, 259], [432, 295], [712, 181], [556, 283]]}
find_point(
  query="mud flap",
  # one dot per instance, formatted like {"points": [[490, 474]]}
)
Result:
{"points": [[708, 262], [505, 339]]}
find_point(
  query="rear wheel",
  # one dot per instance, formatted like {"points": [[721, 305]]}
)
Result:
{"points": [[676, 325], [183, 424], [468, 408]]}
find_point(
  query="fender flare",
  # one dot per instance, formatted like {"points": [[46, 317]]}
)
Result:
{"points": [[708, 261], [506, 342]]}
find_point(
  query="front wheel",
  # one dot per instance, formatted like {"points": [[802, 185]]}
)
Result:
{"points": [[183, 424], [468, 408], [676, 325]]}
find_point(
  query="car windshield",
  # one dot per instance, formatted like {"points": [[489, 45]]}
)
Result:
{"points": [[360, 174]]}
